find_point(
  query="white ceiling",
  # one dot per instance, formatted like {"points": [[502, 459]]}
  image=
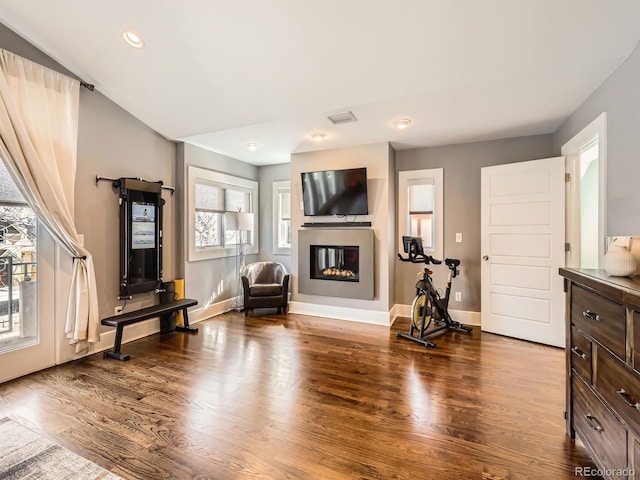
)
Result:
{"points": [[221, 73]]}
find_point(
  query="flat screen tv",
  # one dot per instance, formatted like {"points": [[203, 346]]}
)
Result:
{"points": [[335, 192]]}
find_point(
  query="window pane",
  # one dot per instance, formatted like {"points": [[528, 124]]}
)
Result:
{"points": [[285, 205], [18, 277], [421, 197], [220, 194], [420, 204], [421, 225], [208, 197], [237, 201], [207, 227], [231, 237], [284, 236]]}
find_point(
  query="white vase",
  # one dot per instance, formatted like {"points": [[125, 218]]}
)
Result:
{"points": [[619, 262]]}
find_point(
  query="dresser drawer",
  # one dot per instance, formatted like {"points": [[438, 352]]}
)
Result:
{"points": [[619, 386], [605, 436], [600, 318], [581, 355]]}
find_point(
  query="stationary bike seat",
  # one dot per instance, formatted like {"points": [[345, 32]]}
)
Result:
{"points": [[451, 262]]}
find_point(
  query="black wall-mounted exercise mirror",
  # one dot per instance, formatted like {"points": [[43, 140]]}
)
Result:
{"points": [[140, 236]]}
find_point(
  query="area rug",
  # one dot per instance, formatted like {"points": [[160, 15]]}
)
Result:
{"points": [[26, 455]]}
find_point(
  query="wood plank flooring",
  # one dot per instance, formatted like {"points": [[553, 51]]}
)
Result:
{"points": [[301, 397]]}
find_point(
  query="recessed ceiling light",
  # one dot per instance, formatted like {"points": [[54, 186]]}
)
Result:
{"points": [[251, 146], [319, 136], [133, 39], [402, 123]]}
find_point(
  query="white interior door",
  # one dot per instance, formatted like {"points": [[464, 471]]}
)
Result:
{"points": [[523, 235]]}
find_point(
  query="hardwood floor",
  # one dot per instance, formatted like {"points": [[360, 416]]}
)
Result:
{"points": [[308, 398]]}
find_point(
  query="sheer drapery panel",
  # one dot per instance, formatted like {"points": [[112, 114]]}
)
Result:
{"points": [[39, 133]]}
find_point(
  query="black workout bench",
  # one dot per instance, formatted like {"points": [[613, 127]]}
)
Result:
{"points": [[121, 321]]}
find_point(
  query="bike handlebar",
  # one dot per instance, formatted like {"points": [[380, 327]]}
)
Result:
{"points": [[426, 259], [452, 263]]}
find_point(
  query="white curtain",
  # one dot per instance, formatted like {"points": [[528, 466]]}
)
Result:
{"points": [[39, 136]]}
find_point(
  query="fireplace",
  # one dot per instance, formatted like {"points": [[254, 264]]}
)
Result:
{"points": [[336, 262]]}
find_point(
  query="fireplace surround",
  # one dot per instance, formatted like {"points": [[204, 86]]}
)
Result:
{"points": [[336, 262]]}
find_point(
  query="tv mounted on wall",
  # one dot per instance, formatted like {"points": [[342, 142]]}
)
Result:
{"points": [[335, 192]]}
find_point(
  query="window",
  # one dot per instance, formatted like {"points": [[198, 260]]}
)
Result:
{"points": [[18, 276], [20, 236], [211, 195], [420, 199], [586, 226], [282, 218], [420, 206]]}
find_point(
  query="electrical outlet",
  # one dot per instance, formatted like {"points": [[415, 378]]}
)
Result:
{"points": [[458, 237], [119, 309], [458, 296]]}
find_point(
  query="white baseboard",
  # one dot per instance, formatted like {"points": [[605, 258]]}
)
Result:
{"points": [[376, 318], [145, 328], [208, 311], [341, 313], [397, 311]]}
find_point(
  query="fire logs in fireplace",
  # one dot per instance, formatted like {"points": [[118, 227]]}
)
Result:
{"points": [[335, 262], [338, 272]]}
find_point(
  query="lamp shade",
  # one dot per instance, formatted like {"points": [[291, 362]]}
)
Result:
{"points": [[236, 221], [245, 221]]}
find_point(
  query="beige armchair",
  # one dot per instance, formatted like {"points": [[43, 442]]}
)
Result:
{"points": [[265, 284]]}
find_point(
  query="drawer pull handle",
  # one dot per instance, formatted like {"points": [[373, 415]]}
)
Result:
{"points": [[589, 314], [578, 353], [624, 395], [593, 422]]}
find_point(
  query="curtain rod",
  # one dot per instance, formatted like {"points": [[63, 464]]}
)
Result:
{"points": [[88, 86], [112, 180]]}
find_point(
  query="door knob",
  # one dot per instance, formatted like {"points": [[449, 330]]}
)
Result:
{"points": [[485, 258]]}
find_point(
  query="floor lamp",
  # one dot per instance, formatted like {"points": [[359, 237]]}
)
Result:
{"points": [[240, 222]]}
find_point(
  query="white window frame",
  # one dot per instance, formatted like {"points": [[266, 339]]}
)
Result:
{"points": [[208, 177], [279, 187], [406, 178]]}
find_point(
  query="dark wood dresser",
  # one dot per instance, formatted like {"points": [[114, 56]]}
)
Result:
{"points": [[603, 368]]}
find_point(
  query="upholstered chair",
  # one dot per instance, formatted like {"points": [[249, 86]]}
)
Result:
{"points": [[265, 284]]}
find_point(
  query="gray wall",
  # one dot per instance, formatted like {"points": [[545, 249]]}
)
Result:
{"points": [[111, 143], [462, 164], [209, 281], [267, 175], [619, 96]]}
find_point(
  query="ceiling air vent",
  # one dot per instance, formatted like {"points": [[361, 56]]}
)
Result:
{"points": [[343, 117]]}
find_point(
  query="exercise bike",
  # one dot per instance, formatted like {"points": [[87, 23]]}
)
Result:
{"points": [[429, 306]]}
